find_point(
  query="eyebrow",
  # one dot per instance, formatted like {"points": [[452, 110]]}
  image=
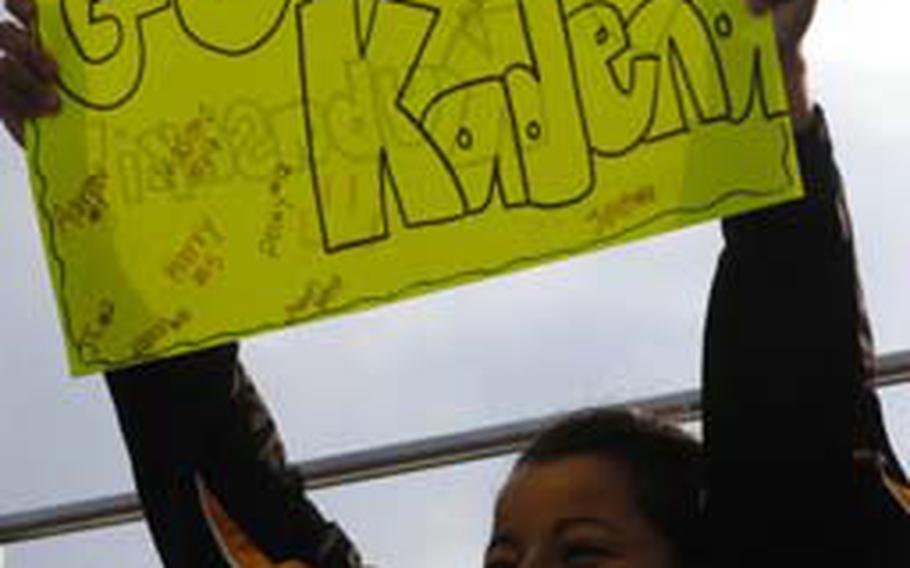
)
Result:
{"points": [[565, 525]]}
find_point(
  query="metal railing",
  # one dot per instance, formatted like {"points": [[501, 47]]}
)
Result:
{"points": [[377, 463]]}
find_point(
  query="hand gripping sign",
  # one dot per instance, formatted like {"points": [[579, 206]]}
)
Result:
{"points": [[220, 169]]}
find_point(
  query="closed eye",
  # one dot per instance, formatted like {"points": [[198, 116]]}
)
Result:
{"points": [[502, 552], [584, 556]]}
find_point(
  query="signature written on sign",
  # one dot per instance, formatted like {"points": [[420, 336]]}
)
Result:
{"points": [[317, 297], [606, 216], [199, 258], [86, 208], [159, 330]]}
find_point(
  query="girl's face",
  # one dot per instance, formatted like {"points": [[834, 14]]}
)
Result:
{"points": [[577, 512]]}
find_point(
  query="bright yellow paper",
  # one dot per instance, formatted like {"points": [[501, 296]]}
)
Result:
{"points": [[224, 168]]}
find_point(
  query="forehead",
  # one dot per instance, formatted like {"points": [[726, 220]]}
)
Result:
{"points": [[581, 486], [548, 509]]}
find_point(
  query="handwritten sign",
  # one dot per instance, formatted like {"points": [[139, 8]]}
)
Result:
{"points": [[221, 169]]}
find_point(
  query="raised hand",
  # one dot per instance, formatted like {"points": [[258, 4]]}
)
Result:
{"points": [[791, 22], [27, 74]]}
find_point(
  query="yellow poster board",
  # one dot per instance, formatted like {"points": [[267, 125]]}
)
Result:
{"points": [[224, 168]]}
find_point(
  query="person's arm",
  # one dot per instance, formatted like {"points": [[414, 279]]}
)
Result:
{"points": [[197, 421], [783, 370], [788, 355], [781, 359]]}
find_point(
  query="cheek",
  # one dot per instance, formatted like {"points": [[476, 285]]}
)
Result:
{"points": [[654, 552]]}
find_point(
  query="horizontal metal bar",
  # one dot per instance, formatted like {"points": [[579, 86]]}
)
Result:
{"points": [[892, 369], [381, 462]]}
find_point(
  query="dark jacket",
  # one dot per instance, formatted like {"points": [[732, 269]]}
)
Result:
{"points": [[197, 420], [793, 431]]}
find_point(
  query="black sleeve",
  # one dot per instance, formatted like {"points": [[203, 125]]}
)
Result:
{"points": [[787, 351], [199, 415], [164, 409]]}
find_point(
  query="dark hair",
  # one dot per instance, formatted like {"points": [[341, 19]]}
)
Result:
{"points": [[666, 466]]}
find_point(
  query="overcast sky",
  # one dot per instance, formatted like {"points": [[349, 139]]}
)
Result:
{"points": [[610, 326]]}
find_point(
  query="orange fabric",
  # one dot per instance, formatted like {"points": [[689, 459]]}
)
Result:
{"points": [[900, 491], [241, 550]]}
